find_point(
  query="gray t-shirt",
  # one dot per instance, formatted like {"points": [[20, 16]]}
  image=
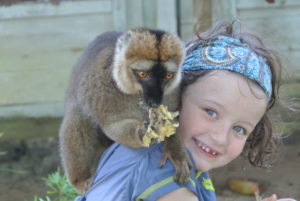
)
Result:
{"points": [[127, 174]]}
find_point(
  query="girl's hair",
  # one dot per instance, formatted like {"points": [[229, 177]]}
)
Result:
{"points": [[263, 141]]}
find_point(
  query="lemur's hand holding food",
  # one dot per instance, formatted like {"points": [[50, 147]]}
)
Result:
{"points": [[163, 123]]}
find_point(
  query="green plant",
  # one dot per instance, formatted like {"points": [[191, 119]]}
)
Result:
{"points": [[59, 188], [10, 170]]}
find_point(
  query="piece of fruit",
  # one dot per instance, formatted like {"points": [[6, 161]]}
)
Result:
{"points": [[162, 124], [243, 187]]}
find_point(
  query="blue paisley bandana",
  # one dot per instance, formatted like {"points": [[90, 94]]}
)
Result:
{"points": [[226, 53]]}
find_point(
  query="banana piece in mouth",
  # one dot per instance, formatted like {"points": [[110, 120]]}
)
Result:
{"points": [[162, 124]]}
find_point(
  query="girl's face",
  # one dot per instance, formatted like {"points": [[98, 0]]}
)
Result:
{"points": [[218, 113]]}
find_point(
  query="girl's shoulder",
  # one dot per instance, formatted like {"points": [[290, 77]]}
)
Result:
{"points": [[121, 172], [120, 155], [134, 174], [119, 160]]}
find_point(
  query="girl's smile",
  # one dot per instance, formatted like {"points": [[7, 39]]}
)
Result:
{"points": [[205, 149], [215, 123]]}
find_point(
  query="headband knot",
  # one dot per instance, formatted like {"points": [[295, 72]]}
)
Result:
{"points": [[226, 53]]}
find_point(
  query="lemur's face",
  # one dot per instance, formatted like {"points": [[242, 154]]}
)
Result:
{"points": [[219, 111], [148, 62], [154, 80]]}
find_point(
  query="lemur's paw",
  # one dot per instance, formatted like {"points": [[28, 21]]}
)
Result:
{"points": [[181, 162]]}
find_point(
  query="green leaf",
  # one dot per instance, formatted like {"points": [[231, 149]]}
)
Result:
{"points": [[59, 188]]}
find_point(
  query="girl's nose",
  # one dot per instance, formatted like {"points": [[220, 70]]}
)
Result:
{"points": [[220, 134]]}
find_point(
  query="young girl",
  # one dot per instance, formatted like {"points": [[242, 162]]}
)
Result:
{"points": [[229, 85]]}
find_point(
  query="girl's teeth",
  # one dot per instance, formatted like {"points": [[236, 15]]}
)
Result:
{"points": [[206, 149]]}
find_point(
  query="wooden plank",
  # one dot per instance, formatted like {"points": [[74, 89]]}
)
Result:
{"points": [[279, 25], [35, 63], [187, 19], [166, 15], [286, 44], [40, 77], [271, 26], [39, 86], [187, 31], [150, 13], [135, 13], [257, 4], [292, 65], [275, 12], [29, 9], [282, 33], [18, 53], [223, 10], [33, 110], [135, 17], [43, 49], [22, 59], [120, 15], [69, 25], [187, 11], [203, 13]]}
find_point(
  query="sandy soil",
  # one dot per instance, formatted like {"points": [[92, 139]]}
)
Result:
{"points": [[34, 158]]}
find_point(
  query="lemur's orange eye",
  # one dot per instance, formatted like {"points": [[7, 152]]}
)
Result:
{"points": [[141, 74], [169, 76]]}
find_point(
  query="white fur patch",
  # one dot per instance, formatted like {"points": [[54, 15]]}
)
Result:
{"points": [[142, 65]]}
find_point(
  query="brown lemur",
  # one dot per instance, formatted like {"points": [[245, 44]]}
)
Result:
{"points": [[113, 74]]}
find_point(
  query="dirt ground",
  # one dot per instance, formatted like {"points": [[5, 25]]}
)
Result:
{"points": [[37, 161], [283, 178]]}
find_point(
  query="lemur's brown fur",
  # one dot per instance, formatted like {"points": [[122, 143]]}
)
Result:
{"points": [[103, 100]]}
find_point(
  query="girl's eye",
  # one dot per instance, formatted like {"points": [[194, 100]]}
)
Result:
{"points": [[141, 74], [211, 113], [240, 130]]}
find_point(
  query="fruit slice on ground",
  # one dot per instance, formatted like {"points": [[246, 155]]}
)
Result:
{"points": [[244, 187]]}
